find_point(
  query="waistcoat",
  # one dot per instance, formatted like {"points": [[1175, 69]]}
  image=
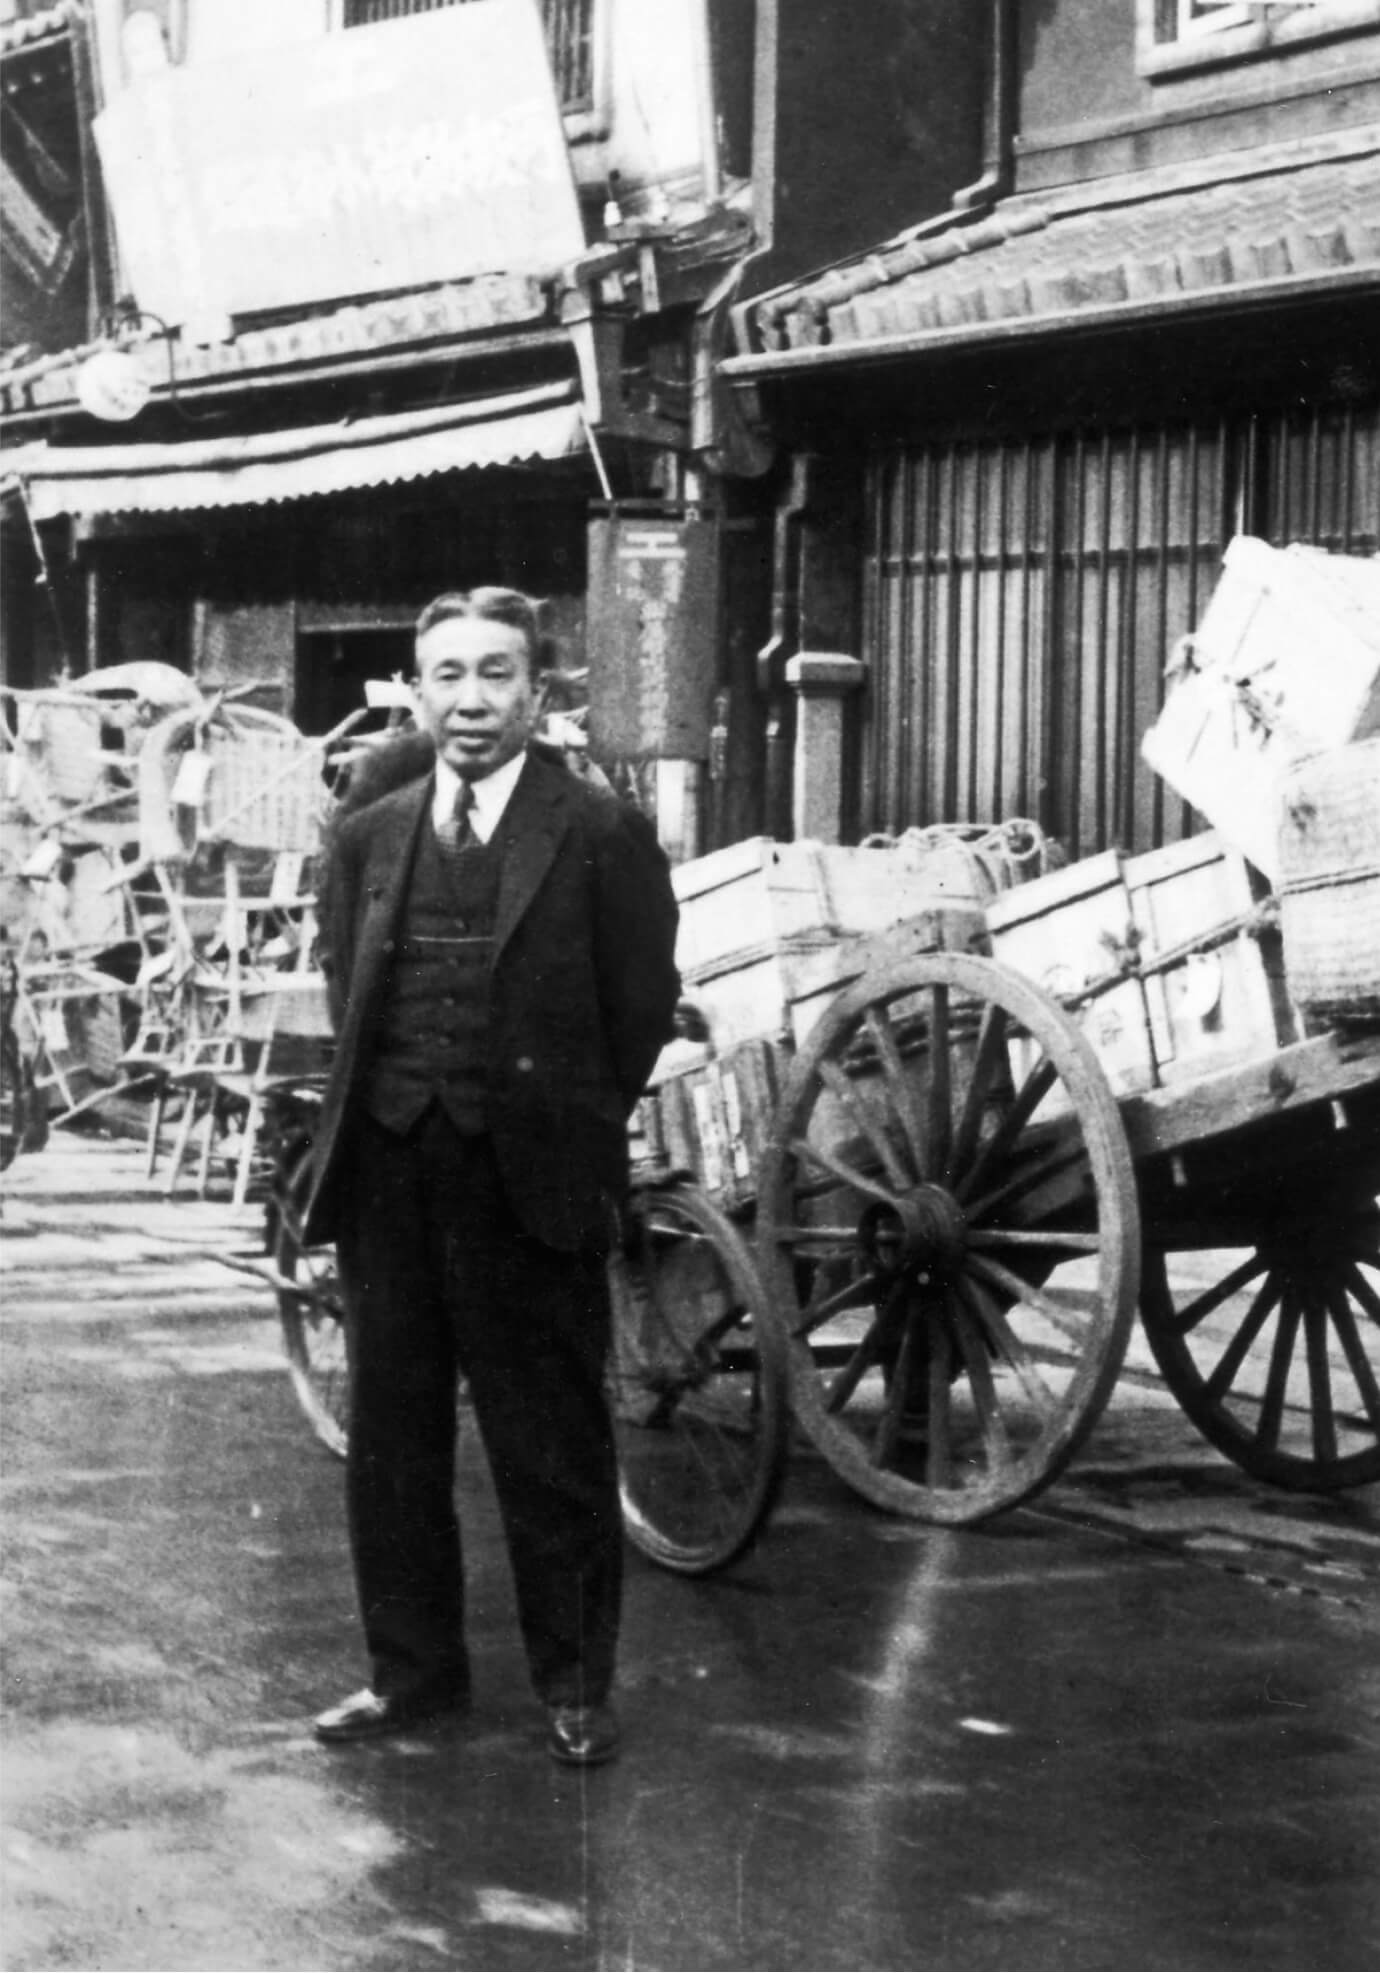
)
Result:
{"points": [[433, 1029]]}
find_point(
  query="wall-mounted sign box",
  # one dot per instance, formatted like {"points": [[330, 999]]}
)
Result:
{"points": [[652, 636], [414, 151]]}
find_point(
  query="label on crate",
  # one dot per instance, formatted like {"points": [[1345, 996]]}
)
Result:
{"points": [[707, 1130]]}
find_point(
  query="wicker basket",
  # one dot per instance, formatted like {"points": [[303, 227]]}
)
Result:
{"points": [[60, 736], [1329, 883], [265, 789], [262, 788]]}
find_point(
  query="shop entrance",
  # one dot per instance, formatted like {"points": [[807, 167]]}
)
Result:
{"points": [[335, 662]]}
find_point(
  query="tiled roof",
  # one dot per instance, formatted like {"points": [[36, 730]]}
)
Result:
{"points": [[23, 35], [1291, 219], [497, 303]]}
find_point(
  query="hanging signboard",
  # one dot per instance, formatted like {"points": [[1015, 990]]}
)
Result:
{"points": [[652, 636], [413, 151]]}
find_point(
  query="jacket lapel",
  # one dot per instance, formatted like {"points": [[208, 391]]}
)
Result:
{"points": [[403, 824], [382, 906], [532, 827]]}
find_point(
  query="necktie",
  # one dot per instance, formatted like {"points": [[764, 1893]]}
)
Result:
{"points": [[459, 830]]}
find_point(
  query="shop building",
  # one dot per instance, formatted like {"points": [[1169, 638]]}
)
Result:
{"points": [[371, 298], [1021, 433], [393, 298]]}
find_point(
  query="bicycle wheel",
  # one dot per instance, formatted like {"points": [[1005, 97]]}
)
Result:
{"points": [[311, 1310], [698, 1384]]}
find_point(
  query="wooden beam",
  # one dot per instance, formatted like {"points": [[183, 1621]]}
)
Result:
{"points": [[1329, 1067]]}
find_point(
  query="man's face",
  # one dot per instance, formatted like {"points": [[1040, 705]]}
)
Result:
{"points": [[474, 691]]}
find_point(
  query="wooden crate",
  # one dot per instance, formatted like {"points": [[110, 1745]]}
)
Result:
{"points": [[713, 1120], [1225, 1003], [756, 918], [1065, 931], [818, 977], [1285, 660]]}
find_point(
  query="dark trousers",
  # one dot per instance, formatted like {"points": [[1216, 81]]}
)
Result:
{"points": [[441, 1279]]}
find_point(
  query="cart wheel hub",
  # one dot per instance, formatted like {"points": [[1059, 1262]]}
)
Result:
{"points": [[922, 1234]]}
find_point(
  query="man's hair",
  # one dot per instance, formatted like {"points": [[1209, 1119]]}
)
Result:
{"points": [[507, 606]]}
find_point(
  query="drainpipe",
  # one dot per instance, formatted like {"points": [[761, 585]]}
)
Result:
{"points": [[779, 648], [999, 152], [999, 162], [704, 102]]}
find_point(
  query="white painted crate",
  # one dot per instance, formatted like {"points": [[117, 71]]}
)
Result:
{"points": [[1221, 1004], [760, 920], [1226, 1003], [1285, 660], [1065, 931]]}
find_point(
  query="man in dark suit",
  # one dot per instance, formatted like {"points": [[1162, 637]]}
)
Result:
{"points": [[498, 939]]}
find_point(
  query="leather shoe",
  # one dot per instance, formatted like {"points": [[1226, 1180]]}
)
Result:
{"points": [[581, 1736], [365, 1715]]}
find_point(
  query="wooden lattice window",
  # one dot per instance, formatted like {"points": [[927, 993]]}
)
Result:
{"points": [[1023, 597], [569, 38]]}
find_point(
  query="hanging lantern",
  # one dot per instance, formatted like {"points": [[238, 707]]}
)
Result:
{"points": [[112, 386]]}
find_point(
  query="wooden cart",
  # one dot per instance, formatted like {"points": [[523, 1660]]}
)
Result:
{"points": [[927, 1227], [937, 1214]]}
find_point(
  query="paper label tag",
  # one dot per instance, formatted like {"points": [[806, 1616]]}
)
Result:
{"points": [[193, 778], [44, 860], [388, 694]]}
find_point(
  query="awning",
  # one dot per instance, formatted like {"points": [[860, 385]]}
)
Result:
{"points": [[1274, 225], [39, 30], [268, 467]]}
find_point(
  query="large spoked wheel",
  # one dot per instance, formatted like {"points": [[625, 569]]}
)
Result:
{"points": [[312, 1311], [948, 1211], [698, 1383], [1274, 1352]]}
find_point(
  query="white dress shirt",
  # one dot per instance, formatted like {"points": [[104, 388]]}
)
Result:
{"points": [[491, 795]]}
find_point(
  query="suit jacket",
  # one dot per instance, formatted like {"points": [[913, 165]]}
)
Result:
{"points": [[583, 988]]}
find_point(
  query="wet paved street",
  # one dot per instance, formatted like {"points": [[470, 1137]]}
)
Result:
{"points": [[1135, 1725]]}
